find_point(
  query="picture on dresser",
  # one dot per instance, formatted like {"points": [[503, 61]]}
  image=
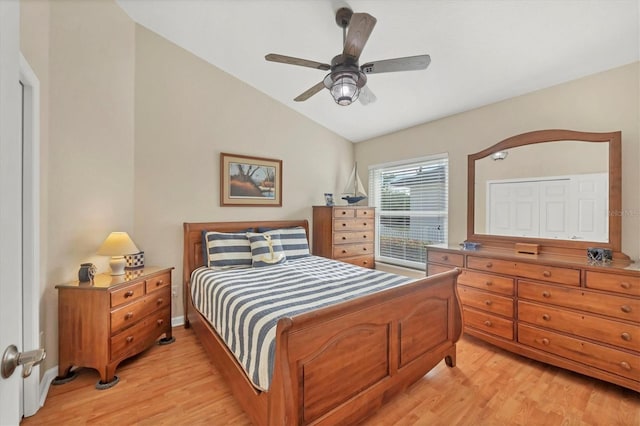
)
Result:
{"points": [[250, 181]]}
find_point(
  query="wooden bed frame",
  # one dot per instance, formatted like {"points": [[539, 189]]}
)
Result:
{"points": [[339, 364]]}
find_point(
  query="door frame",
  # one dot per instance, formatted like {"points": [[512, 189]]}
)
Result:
{"points": [[31, 230]]}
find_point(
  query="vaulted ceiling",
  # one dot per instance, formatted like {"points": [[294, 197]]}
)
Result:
{"points": [[481, 51]]}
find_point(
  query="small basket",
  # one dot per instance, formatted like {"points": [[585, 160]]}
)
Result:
{"points": [[134, 261]]}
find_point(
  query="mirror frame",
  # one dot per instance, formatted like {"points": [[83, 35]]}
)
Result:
{"points": [[552, 245]]}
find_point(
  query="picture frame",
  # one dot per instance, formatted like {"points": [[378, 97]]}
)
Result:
{"points": [[250, 181]]}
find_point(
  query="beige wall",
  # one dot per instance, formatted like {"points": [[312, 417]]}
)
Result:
{"points": [[187, 112], [83, 54], [602, 103]]}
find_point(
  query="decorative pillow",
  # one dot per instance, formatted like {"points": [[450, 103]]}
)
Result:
{"points": [[227, 250], [266, 249], [294, 241]]}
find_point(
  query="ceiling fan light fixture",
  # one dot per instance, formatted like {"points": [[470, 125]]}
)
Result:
{"points": [[344, 90]]}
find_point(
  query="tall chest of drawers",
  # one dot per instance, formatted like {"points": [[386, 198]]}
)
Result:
{"points": [[102, 323], [345, 233], [563, 311]]}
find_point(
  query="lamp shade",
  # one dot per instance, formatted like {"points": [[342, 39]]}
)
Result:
{"points": [[117, 244]]}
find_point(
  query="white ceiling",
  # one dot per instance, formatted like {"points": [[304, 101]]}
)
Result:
{"points": [[482, 51]]}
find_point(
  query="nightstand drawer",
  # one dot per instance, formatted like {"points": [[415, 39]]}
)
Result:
{"points": [[485, 301], [125, 316], [127, 294], [158, 282], [348, 250], [141, 335], [488, 323], [352, 237], [444, 258]]}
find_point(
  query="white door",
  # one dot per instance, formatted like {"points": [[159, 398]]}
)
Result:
{"points": [[10, 205]]}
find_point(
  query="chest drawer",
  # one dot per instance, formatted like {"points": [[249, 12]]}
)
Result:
{"points": [[127, 294], [344, 213], [352, 237], [488, 323], [353, 224], [433, 269], [489, 282], [158, 282], [127, 315], [549, 273], [605, 304], [364, 261], [133, 339], [617, 283], [612, 332], [491, 265], [486, 301], [348, 250], [612, 360], [445, 258], [365, 213]]}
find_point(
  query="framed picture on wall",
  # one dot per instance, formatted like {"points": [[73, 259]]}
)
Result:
{"points": [[250, 181]]}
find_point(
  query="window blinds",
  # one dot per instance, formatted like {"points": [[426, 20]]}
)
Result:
{"points": [[411, 200]]}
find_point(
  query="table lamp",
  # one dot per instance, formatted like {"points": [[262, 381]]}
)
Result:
{"points": [[117, 245]]}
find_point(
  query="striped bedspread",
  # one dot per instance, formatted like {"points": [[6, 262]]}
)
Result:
{"points": [[244, 305]]}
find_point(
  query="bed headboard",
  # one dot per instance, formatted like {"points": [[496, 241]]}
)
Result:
{"points": [[192, 256]]}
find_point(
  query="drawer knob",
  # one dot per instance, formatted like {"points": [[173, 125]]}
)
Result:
{"points": [[364, 249], [344, 251], [625, 365], [625, 285], [160, 322], [364, 212], [489, 265], [489, 283], [364, 236], [546, 317], [488, 302], [546, 294], [488, 323], [128, 315], [364, 224], [546, 274], [626, 337], [160, 301], [625, 308], [128, 294], [545, 341], [365, 262], [445, 257], [344, 238], [344, 212], [344, 224], [129, 339], [159, 282]]}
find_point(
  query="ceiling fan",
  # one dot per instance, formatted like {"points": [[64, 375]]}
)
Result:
{"points": [[347, 80]]}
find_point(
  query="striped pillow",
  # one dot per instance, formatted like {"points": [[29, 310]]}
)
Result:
{"points": [[294, 241], [227, 250], [266, 249]]}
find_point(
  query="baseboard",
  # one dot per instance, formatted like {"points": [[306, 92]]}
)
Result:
{"points": [[49, 375], [177, 321]]}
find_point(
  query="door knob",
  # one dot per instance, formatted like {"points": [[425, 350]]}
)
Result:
{"points": [[12, 358]]}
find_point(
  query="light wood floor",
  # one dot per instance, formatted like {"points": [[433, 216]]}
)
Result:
{"points": [[177, 385]]}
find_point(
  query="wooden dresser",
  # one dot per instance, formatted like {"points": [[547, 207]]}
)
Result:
{"points": [[345, 233], [557, 309], [102, 323]]}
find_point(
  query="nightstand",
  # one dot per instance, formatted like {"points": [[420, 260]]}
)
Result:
{"points": [[113, 318]]}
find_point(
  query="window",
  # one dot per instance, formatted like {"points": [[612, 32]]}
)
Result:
{"points": [[411, 200]]}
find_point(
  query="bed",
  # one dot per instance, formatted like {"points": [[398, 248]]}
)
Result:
{"points": [[339, 363]]}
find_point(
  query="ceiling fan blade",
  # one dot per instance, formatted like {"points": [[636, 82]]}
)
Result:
{"points": [[409, 63], [310, 92], [274, 57], [366, 96], [359, 30]]}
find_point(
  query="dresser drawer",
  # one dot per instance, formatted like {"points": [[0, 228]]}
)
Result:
{"points": [[608, 359], [352, 237], [613, 332], [489, 282], [488, 323], [127, 294], [549, 273], [486, 301], [625, 284], [127, 315], [584, 300], [353, 224], [364, 261], [158, 282], [365, 213], [348, 250], [445, 258], [139, 336], [339, 212], [433, 269], [491, 265]]}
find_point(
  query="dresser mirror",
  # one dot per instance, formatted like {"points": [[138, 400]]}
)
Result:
{"points": [[558, 189]]}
